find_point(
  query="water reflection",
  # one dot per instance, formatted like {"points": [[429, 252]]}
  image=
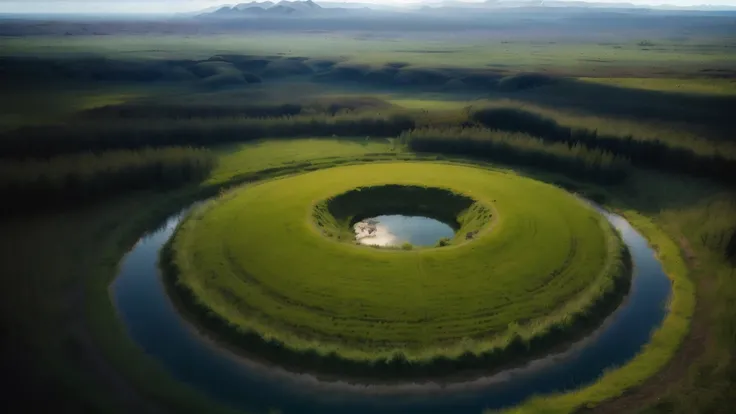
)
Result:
{"points": [[397, 229], [155, 325]]}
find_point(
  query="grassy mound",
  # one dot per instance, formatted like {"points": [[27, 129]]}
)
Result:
{"points": [[255, 265]]}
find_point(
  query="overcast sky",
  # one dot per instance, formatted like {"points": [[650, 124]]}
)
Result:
{"points": [[169, 6]]}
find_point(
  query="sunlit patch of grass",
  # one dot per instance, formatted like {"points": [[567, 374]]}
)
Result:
{"points": [[245, 158], [426, 305], [705, 86], [430, 104]]}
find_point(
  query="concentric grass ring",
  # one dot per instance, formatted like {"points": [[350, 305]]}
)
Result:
{"points": [[253, 264]]}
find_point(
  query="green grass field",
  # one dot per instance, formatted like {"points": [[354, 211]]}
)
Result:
{"points": [[265, 253], [64, 339], [247, 158], [655, 355], [681, 208], [572, 57], [697, 86]]}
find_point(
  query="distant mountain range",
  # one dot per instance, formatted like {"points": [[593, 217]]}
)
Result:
{"points": [[495, 4], [282, 8], [297, 8]]}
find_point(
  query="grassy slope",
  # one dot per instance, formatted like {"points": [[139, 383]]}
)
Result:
{"points": [[246, 158], [335, 217], [663, 345], [334, 296], [680, 85]]}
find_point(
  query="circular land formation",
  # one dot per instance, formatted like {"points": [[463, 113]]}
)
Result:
{"points": [[274, 268]]}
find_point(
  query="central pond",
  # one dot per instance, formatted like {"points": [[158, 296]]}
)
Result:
{"points": [[154, 324], [397, 229]]}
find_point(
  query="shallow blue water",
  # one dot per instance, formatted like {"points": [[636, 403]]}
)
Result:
{"points": [[154, 324], [396, 229]]}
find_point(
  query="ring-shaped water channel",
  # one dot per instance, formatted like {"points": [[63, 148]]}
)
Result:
{"points": [[155, 325]]}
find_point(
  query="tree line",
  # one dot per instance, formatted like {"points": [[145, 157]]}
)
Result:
{"points": [[644, 153], [71, 179], [519, 148], [183, 109], [97, 136], [189, 111]]}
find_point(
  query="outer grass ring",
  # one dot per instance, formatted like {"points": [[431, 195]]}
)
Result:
{"points": [[574, 285]]}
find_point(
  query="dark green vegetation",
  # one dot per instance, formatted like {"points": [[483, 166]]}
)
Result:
{"points": [[664, 107], [523, 149], [341, 308], [337, 215], [34, 184], [645, 152], [117, 134]]}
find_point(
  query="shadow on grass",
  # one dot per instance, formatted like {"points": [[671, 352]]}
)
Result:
{"points": [[713, 112]]}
